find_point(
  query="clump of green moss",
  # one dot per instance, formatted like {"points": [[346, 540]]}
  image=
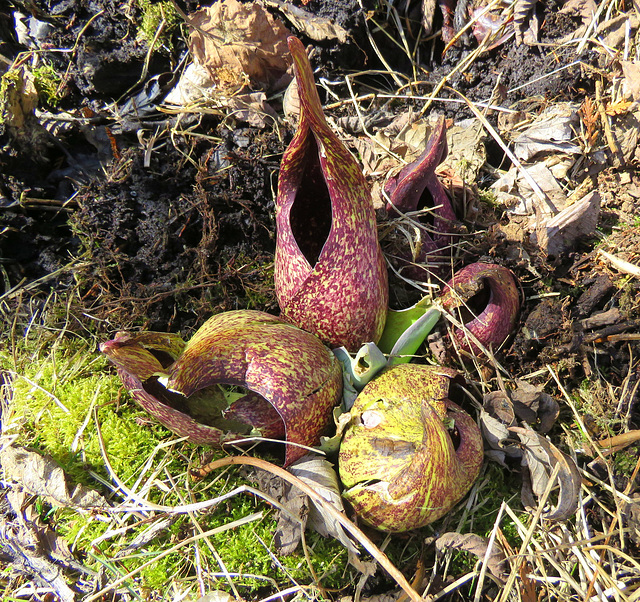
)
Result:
{"points": [[47, 83], [153, 15]]}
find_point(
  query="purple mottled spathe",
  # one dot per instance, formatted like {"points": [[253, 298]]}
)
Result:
{"points": [[330, 275], [416, 187], [495, 317], [292, 380], [398, 462]]}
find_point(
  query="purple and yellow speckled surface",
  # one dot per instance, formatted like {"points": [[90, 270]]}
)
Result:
{"points": [[496, 321], [397, 460], [278, 363], [406, 191], [330, 275]]}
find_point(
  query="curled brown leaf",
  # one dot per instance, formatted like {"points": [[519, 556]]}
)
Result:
{"points": [[496, 561], [541, 457]]}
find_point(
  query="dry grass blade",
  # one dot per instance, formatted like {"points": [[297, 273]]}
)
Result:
{"points": [[529, 535], [357, 533]]}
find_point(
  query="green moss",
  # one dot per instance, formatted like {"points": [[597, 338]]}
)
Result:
{"points": [[54, 400], [153, 14], [47, 82], [624, 462]]}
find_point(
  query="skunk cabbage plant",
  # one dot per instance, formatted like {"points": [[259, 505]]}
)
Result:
{"points": [[283, 381], [330, 275], [417, 188], [485, 298], [410, 453]]}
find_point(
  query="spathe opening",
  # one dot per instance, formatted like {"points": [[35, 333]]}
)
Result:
{"points": [[426, 205], [476, 305], [230, 408], [310, 216]]}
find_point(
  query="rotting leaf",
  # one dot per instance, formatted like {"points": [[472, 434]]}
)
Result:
{"points": [[42, 476], [320, 474], [315, 27], [293, 509], [631, 516], [240, 44], [496, 562], [300, 512], [573, 224], [531, 403], [33, 548], [631, 82], [541, 457], [496, 417]]}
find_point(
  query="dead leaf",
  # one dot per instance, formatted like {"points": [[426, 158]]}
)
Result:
{"points": [[294, 510], [252, 108], [321, 475], [526, 22], [33, 548], [467, 153], [527, 585], [194, 84], [631, 82], [534, 406], [584, 9], [300, 513], [40, 475], [541, 458], [496, 417], [573, 224], [631, 516], [317, 28], [20, 98], [240, 44], [619, 108], [496, 562], [554, 130]]}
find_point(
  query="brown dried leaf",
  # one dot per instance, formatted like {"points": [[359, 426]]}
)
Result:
{"points": [[631, 516], [320, 474], [315, 27], [573, 224], [541, 457], [631, 82], [590, 117], [580, 8], [34, 549], [495, 419], [294, 509], [496, 562], [42, 476], [240, 44], [533, 405], [252, 108]]}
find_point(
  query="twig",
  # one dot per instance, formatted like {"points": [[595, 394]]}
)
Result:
{"points": [[611, 141], [620, 264]]}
